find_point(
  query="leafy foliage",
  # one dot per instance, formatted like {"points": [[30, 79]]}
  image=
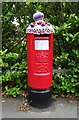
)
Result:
{"points": [[69, 83], [13, 76], [65, 19]]}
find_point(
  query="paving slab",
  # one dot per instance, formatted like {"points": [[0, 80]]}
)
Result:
{"points": [[0, 101], [78, 109], [0, 107], [60, 108]]}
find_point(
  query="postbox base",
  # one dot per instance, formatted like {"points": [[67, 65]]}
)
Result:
{"points": [[40, 98]]}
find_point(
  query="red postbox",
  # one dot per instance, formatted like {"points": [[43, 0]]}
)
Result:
{"points": [[40, 58]]}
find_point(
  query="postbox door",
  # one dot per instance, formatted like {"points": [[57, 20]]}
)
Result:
{"points": [[40, 73]]}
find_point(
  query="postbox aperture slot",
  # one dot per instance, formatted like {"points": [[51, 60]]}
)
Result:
{"points": [[41, 35], [41, 44]]}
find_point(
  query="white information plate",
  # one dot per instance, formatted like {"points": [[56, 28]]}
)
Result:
{"points": [[41, 44]]}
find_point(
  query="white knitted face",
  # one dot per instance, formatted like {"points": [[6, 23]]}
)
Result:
{"points": [[39, 20]]}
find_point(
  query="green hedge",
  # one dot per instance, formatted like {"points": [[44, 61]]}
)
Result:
{"points": [[13, 58], [68, 83], [13, 76]]}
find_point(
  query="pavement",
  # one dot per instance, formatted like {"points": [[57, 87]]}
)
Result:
{"points": [[0, 107], [78, 109], [60, 108], [0, 102]]}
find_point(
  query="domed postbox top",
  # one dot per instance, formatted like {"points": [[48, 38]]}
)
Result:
{"points": [[39, 26]]}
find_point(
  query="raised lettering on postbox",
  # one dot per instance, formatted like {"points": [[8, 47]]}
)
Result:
{"points": [[41, 68]]}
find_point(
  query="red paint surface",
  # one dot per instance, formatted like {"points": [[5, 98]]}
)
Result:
{"points": [[39, 63]]}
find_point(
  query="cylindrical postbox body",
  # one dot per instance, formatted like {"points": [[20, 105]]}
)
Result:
{"points": [[40, 58]]}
